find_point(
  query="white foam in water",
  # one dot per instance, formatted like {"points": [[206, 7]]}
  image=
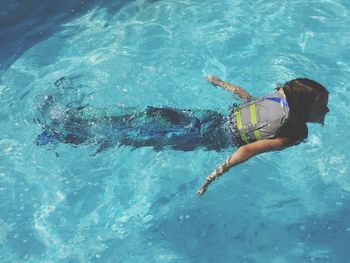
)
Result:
{"points": [[64, 203]]}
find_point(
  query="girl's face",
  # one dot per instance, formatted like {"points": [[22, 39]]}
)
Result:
{"points": [[319, 110]]}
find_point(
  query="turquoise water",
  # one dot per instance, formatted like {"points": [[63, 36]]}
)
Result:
{"points": [[65, 204]]}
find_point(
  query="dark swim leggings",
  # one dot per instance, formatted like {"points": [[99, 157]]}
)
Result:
{"points": [[157, 127]]}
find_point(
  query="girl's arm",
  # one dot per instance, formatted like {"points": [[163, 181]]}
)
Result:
{"points": [[243, 153], [230, 87]]}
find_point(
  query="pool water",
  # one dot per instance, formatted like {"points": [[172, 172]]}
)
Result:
{"points": [[63, 203]]}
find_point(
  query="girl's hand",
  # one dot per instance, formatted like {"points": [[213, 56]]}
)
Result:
{"points": [[208, 181], [214, 80], [201, 191]]}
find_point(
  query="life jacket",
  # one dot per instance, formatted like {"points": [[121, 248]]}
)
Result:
{"points": [[261, 118]]}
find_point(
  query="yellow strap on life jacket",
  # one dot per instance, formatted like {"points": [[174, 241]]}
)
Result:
{"points": [[240, 125]]}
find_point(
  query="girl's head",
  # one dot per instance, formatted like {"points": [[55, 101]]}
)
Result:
{"points": [[307, 100]]}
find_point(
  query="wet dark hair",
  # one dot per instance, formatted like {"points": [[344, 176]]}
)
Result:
{"points": [[300, 93]]}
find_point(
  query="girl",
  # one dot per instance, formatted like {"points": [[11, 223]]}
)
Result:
{"points": [[275, 122], [271, 123]]}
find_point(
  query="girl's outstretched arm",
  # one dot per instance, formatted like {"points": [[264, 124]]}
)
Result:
{"points": [[242, 154], [230, 87]]}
